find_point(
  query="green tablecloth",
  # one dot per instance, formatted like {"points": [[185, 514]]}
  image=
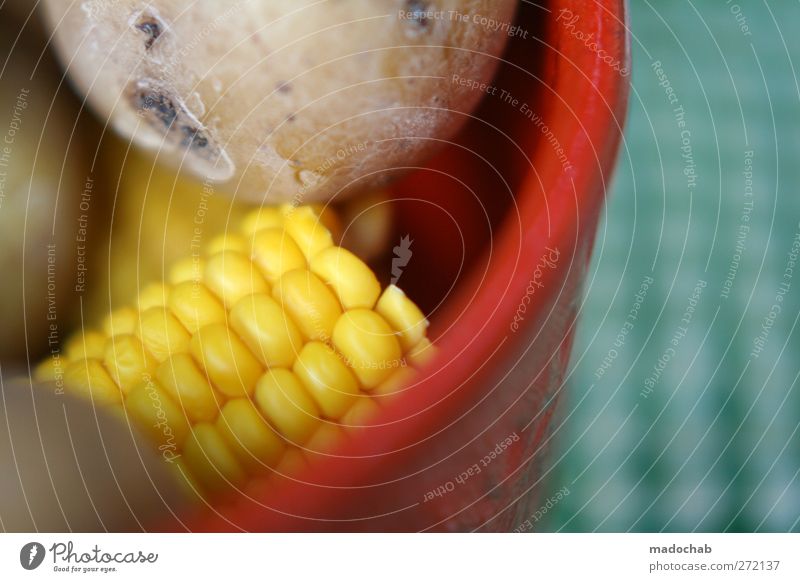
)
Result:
{"points": [[686, 418]]}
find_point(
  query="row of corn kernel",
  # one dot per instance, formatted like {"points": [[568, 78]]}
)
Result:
{"points": [[262, 348]]}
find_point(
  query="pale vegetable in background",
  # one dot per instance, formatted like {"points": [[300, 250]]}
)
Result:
{"points": [[44, 170], [287, 99], [67, 466]]}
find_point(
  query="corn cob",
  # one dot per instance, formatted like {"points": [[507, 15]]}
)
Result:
{"points": [[269, 348]]}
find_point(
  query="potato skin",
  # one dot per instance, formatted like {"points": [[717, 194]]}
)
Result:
{"points": [[287, 99]]}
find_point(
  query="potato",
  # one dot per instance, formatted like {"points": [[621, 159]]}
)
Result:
{"points": [[286, 100], [44, 169]]}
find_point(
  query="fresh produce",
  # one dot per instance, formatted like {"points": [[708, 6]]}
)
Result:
{"points": [[45, 179], [159, 217], [271, 347], [288, 99]]}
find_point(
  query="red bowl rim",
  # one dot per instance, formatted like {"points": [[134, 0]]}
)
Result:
{"points": [[593, 121]]}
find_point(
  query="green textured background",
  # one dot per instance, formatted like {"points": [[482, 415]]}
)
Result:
{"points": [[716, 446]]}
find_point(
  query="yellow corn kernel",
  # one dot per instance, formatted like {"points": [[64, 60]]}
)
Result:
{"points": [[157, 415], [153, 295], [326, 440], [233, 370], [127, 361], [327, 379], [231, 276], [329, 218], [51, 369], [292, 463], [88, 378], [422, 353], [276, 253], [267, 330], [285, 403], [161, 333], [189, 388], [195, 306], [351, 279], [186, 270], [310, 303], [261, 218], [120, 321], [303, 225], [286, 209], [362, 413], [226, 242], [368, 345], [251, 439], [90, 344], [368, 217], [403, 315], [402, 379], [211, 461]]}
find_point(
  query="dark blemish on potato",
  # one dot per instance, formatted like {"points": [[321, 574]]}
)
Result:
{"points": [[151, 27], [164, 112], [283, 87], [418, 10], [157, 104], [193, 137], [290, 118], [161, 108]]}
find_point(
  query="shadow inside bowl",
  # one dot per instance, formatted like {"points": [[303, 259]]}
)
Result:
{"points": [[452, 207]]}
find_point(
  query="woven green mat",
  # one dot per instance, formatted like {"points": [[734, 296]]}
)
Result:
{"points": [[683, 413]]}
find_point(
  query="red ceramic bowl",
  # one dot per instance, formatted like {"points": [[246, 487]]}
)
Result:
{"points": [[502, 224]]}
